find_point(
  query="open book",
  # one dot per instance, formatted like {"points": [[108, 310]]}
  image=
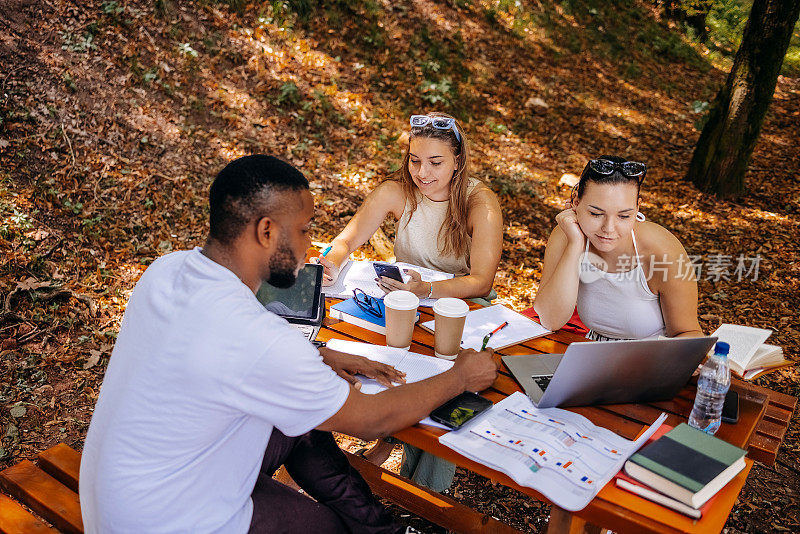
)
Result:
{"points": [[749, 356], [361, 275]]}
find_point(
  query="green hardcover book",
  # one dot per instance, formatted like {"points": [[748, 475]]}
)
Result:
{"points": [[686, 464]]}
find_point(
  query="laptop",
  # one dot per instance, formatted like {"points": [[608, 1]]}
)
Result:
{"points": [[303, 304], [610, 372]]}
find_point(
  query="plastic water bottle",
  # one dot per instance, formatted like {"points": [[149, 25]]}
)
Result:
{"points": [[713, 384]]}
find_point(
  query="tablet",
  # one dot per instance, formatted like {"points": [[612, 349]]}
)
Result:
{"points": [[301, 303]]}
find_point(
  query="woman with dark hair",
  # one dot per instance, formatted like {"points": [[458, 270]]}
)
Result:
{"points": [[629, 278], [447, 221]]}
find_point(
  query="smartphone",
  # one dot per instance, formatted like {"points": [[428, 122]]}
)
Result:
{"points": [[457, 411], [388, 270], [730, 408]]}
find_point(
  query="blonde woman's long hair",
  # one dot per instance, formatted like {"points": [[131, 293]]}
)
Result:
{"points": [[453, 238]]}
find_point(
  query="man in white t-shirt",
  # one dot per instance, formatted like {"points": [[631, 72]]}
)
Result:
{"points": [[207, 393]]}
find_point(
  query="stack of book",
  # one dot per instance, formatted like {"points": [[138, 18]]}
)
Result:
{"points": [[683, 469]]}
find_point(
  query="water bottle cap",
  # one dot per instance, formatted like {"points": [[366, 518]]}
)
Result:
{"points": [[722, 348]]}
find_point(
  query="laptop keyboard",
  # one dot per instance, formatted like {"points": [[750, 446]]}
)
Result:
{"points": [[542, 381], [306, 329]]}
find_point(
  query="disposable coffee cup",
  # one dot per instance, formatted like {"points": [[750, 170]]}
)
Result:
{"points": [[449, 315], [401, 314]]}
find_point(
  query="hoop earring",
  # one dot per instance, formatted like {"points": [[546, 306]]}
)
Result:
{"points": [[640, 216]]}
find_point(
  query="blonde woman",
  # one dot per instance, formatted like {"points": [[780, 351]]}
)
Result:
{"points": [[447, 221]]}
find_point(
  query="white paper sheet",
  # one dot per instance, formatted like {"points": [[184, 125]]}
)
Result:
{"points": [[483, 320], [361, 275], [556, 452], [416, 366]]}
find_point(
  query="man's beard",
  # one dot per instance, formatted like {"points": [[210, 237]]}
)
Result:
{"points": [[283, 266]]}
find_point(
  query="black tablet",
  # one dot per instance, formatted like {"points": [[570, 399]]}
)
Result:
{"points": [[303, 303]]}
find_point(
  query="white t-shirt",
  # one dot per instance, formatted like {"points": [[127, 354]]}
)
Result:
{"points": [[199, 376]]}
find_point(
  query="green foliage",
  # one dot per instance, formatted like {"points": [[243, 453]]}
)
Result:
{"points": [[187, 50], [288, 94], [77, 43], [726, 22], [441, 92]]}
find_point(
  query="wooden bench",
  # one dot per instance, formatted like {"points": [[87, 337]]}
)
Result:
{"points": [[49, 488]]}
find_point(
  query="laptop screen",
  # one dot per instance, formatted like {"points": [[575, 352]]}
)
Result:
{"points": [[301, 301]]}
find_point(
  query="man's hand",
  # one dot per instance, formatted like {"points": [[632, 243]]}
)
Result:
{"points": [[478, 369], [349, 365]]}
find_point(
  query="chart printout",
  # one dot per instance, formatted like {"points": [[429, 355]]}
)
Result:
{"points": [[556, 452]]}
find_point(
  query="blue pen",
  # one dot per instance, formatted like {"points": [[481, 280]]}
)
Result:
{"points": [[324, 252]]}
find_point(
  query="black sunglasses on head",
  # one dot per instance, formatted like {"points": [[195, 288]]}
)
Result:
{"points": [[631, 169]]}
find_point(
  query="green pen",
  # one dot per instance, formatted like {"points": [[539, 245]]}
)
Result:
{"points": [[490, 334]]}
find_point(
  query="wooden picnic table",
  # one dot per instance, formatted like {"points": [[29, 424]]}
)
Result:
{"points": [[763, 418], [49, 487]]}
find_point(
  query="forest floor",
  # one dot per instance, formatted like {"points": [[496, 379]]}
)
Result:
{"points": [[116, 115]]}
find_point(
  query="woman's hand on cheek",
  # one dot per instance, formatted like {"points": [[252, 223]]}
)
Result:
{"points": [[568, 221]]}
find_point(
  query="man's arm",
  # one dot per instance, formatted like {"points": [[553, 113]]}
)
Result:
{"points": [[372, 416]]}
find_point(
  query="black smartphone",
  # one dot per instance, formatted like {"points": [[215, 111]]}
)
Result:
{"points": [[388, 270], [730, 408], [460, 409]]}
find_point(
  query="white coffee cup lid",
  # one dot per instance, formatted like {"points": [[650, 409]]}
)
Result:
{"points": [[401, 300], [450, 307]]}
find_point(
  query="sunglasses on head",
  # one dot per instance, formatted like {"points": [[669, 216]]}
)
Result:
{"points": [[631, 169], [440, 123]]}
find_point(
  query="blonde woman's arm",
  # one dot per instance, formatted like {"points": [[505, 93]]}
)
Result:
{"points": [[385, 199]]}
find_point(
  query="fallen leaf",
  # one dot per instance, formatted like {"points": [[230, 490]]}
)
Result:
{"points": [[31, 283], [18, 411], [94, 357]]}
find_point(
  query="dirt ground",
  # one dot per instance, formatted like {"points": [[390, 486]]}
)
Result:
{"points": [[116, 115]]}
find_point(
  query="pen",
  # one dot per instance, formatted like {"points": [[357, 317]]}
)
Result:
{"points": [[490, 334], [324, 252]]}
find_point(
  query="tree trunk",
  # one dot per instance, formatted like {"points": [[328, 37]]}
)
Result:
{"points": [[726, 143]]}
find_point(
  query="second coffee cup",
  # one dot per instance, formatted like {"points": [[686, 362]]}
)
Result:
{"points": [[449, 315], [401, 314]]}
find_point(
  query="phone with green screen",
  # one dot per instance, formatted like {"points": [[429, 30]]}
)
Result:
{"points": [[457, 411]]}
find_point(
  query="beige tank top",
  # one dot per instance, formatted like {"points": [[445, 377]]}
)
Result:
{"points": [[417, 239]]}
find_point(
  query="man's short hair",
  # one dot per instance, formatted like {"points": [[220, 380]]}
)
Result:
{"points": [[246, 189]]}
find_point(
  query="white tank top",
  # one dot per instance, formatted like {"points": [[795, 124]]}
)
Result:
{"points": [[618, 305], [417, 237]]}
